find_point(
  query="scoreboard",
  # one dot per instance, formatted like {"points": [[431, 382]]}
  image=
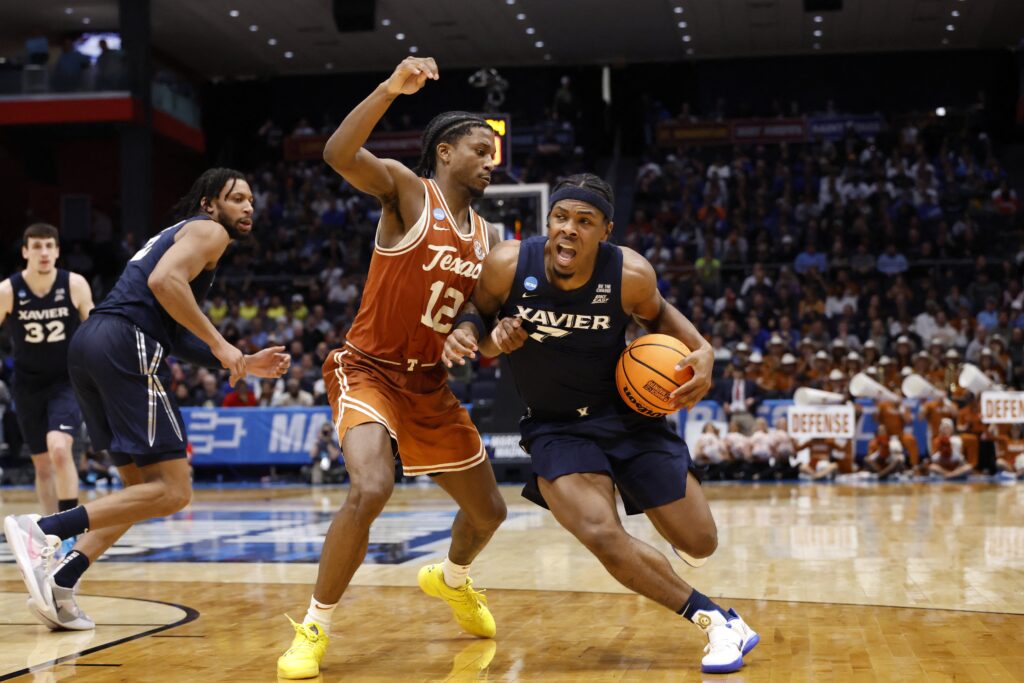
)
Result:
{"points": [[501, 123]]}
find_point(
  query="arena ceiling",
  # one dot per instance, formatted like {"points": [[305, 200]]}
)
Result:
{"points": [[279, 37]]}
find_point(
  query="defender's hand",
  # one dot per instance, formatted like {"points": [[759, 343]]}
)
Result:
{"points": [[689, 393], [411, 75], [508, 335], [269, 363], [459, 345]]}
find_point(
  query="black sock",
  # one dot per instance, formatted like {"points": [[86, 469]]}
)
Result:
{"points": [[66, 504], [70, 570], [697, 602], [66, 524]]}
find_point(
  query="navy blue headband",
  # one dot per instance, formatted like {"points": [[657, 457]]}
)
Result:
{"points": [[584, 195]]}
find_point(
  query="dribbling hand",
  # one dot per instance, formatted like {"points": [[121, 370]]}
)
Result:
{"points": [[690, 392], [411, 75], [232, 360], [459, 345]]}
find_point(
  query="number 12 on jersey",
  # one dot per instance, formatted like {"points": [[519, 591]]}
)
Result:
{"points": [[441, 320]]}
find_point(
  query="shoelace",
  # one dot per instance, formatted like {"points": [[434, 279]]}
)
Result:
{"points": [[722, 638], [475, 597], [309, 637]]}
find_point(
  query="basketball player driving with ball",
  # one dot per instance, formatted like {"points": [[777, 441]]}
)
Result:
{"points": [[565, 300]]}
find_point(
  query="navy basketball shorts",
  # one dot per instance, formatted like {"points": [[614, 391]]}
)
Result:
{"points": [[121, 380], [45, 407], [646, 460]]}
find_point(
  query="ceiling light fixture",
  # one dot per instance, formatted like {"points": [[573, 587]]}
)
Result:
{"points": [[547, 58], [530, 30], [817, 46], [521, 16], [510, 2], [539, 43], [233, 13], [689, 50], [955, 13], [272, 42], [687, 39], [818, 19], [950, 27], [385, 22], [413, 49], [69, 10], [818, 33], [940, 111], [682, 24], [254, 28], [289, 54], [86, 20], [399, 36], [677, 10], [945, 41]]}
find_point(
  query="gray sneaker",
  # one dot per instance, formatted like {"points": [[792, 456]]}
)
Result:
{"points": [[33, 550], [67, 616]]}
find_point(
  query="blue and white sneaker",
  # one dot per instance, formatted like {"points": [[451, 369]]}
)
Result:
{"points": [[728, 640]]}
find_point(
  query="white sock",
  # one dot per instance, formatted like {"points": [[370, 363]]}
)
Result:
{"points": [[320, 615], [455, 575]]}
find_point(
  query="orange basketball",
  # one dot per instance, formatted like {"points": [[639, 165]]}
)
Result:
{"points": [[646, 373]]}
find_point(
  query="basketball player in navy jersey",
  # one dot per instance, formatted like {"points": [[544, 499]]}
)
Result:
{"points": [[45, 305], [116, 363], [565, 301]]}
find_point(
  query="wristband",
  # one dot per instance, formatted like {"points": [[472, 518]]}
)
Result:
{"points": [[477, 322]]}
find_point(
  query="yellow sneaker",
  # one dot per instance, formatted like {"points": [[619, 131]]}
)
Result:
{"points": [[468, 606], [302, 660]]}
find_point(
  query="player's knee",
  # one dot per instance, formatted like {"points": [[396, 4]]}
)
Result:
{"points": [[491, 516], [705, 543], [368, 497], [60, 454], [175, 498], [608, 542]]}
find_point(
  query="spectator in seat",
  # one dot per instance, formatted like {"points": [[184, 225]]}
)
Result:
{"points": [[240, 397], [885, 456], [947, 459]]}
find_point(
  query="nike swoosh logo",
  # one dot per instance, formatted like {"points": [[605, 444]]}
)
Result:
{"points": [[440, 227], [527, 295], [23, 303], [66, 427]]}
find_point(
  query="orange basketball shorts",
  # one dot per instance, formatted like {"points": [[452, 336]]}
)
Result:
{"points": [[431, 428]]}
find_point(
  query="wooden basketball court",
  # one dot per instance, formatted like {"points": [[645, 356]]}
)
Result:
{"points": [[897, 582]]}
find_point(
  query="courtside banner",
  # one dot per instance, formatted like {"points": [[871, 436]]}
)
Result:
{"points": [[1002, 407], [253, 436], [822, 422]]}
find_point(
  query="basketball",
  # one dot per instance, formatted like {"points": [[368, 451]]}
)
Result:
{"points": [[646, 373]]}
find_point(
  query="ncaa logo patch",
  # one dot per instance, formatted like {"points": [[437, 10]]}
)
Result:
{"points": [[478, 249], [530, 283], [439, 214]]}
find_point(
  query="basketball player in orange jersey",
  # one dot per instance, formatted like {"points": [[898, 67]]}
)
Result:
{"points": [[565, 301], [386, 386]]}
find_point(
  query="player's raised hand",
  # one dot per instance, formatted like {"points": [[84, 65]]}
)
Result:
{"points": [[411, 75], [232, 360], [460, 345], [690, 392], [269, 363], [508, 335]]}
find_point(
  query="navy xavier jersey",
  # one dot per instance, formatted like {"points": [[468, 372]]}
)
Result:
{"points": [[568, 363], [131, 297], [45, 324]]}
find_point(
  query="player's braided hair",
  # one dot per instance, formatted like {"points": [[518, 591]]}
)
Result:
{"points": [[447, 127], [590, 182], [206, 186]]}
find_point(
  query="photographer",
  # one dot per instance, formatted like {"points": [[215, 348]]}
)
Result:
{"points": [[326, 465]]}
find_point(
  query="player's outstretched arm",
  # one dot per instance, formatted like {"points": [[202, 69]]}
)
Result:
{"points": [[385, 179], [81, 295], [199, 246], [642, 300], [491, 291]]}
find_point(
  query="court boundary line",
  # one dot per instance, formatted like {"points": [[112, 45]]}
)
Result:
{"points": [[191, 615]]}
